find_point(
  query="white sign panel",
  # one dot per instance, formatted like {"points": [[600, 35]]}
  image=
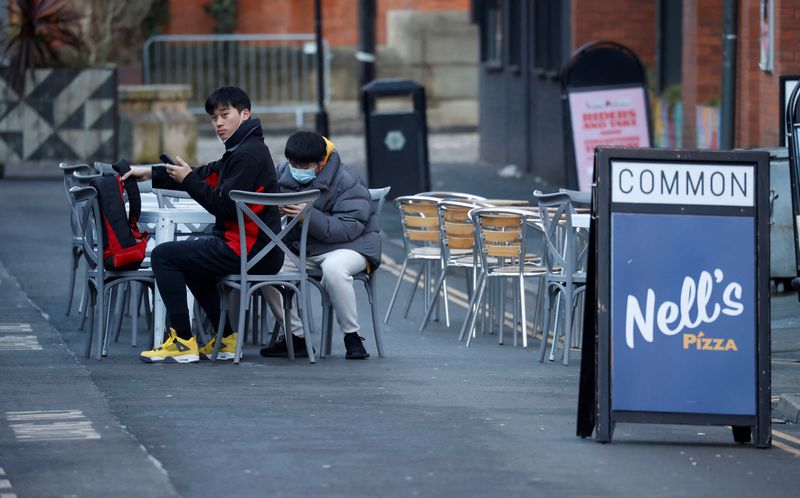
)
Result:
{"points": [[682, 183]]}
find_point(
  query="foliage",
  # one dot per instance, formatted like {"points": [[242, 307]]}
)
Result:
{"points": [[38, 30], [156, 17], [113, 29], [224, 14]]}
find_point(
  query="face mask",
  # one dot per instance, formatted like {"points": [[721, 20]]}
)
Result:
{"points": [[241, 119], [303, 175]]}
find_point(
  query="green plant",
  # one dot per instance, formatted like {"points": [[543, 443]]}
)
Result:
{"points": [[37, 32], [224, 14], [157, 16], [672, 94]]}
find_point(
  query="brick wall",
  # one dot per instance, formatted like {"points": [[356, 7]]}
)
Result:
{"points": [[629, 22], [340, 17]]}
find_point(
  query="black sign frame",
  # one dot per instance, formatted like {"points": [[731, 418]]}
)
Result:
{"points": [[783, 102], [604, 417]]}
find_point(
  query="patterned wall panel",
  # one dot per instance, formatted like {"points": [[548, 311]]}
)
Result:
{"points": [[65, 115]]}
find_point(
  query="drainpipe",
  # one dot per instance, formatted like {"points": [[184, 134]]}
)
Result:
{"points": [[322, 114], [728, 105]]}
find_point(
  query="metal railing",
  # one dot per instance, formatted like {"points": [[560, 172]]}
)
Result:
{"points": [[277, 71]]}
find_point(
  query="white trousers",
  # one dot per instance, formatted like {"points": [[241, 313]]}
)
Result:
{"points": [[337, 269]]}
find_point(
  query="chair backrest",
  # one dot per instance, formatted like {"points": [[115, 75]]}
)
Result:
{"points": [[167, 198], [441, 194], [246, 213], [502, 236], [89, 225], [420, 218], [378, 196], [457, 230], [69, 182], [578, 197], [563, 253]]}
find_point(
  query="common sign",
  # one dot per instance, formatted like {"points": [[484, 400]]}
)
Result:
{"points": [[681, 279]]}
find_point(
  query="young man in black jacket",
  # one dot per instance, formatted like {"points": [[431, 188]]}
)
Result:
{"points": [[246, 165]]}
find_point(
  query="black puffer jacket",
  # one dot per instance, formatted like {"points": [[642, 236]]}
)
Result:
{"points": [[246, 165], [343, 217]]}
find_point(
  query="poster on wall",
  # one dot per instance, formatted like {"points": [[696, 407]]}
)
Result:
{"points": [[787, 85], [612, 117]]}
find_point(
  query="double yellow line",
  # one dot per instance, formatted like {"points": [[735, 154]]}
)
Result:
{"points": [[786, 442]]}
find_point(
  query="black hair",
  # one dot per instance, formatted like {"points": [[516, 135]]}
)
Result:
{"points": [[305, 147], [227, 96]]}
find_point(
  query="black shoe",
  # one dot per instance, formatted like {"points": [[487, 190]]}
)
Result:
{"points": [[279, 349], [355, 349]]}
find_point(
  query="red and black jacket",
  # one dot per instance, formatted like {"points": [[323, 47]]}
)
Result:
{"points": [[246, 165]]}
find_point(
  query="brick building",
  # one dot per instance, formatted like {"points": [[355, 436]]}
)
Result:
{"points": [[297, 16], [525, 43]]}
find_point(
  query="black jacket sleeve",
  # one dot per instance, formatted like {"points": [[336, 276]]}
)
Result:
{"points": [[241, 173]]}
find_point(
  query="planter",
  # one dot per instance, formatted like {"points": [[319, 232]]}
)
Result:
{"points": [[67, 115]]}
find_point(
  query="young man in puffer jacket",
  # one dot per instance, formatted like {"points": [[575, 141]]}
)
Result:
{"points": [[343, 235], [246, 165]]}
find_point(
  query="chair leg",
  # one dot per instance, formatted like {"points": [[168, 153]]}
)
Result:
{"points": [[75, 262], [223, 315], [445, 297], [545, 322], [523, 318], [414, 291], [396, 288], [376, 326], [119, 309], [90, 309], [84, 304], [478, 297], [329, 329], [429, 307], [287, 305], [569, 309], [472, 309], [303, 312], [557, 325], [136, 292], [100, 326], [244, 301]]}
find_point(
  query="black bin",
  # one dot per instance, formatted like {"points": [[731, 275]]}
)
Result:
{"points": [[397, 142]]}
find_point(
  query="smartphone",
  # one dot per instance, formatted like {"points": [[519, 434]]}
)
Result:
{"points": [[166, 159]]}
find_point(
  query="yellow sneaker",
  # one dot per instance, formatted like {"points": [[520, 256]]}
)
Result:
{"points": [[173, 350], [226, 351]]}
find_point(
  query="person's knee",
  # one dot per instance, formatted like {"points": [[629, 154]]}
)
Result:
{"points": [[166, 256], [331, 270]]}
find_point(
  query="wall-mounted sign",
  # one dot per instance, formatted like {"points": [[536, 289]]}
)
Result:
{"points": [[682, 288], [787, 84]]}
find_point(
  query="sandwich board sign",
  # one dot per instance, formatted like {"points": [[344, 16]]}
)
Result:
{"points": [[681, 280]]}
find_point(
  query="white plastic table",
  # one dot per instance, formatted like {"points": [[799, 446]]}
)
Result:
{"points": [[188, 214]]}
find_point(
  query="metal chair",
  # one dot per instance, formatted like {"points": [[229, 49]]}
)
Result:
{"points": [[77, 238], [100, 281], [290, 282], [457, 244], [503, 241], [565, 261], [378, 196]]}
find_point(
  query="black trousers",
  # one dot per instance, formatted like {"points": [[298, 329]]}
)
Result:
{"points": [[199, 264]]}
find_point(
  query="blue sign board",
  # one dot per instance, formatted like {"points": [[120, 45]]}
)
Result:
{"points": [[677, 327], [683, 313]]}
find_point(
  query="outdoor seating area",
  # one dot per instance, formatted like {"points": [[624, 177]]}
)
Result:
{"points": [[522, 262], [540, 246]]}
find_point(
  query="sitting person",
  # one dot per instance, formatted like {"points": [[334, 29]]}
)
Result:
{"points": [[343, 235], [245, 165]]}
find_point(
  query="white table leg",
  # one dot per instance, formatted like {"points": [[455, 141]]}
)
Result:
{"points": [[165, 231]]}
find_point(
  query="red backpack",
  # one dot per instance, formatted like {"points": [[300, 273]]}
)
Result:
{"points": [[123, 245]]}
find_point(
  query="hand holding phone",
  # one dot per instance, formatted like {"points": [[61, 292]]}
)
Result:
{"points": [[166, 159]]}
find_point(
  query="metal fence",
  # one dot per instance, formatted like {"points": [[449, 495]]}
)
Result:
{"points": [[279, 72]]}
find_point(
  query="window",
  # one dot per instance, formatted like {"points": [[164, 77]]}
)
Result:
{"points": [[546, 24], [492, 42]]}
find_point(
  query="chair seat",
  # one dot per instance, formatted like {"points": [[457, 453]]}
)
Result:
{"points": [[527, 270], [427, 252]]}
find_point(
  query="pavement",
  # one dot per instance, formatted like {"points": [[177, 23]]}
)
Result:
{"points": [[433, 418]]}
